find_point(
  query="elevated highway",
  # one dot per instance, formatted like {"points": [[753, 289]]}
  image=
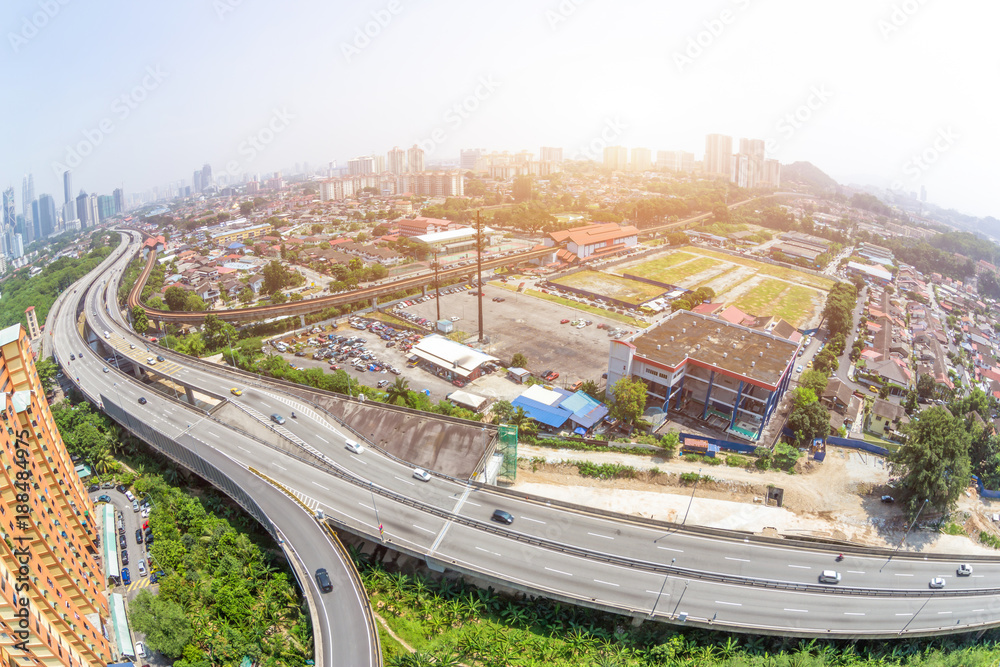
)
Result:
{"points": [[644, 569]]}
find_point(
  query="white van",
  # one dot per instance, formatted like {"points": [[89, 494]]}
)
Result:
{"points": [[829, 577], [107, 334]]}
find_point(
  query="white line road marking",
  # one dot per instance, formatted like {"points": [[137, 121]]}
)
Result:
{"points": [[975, 611], [605, 582], [801, 567], [489, 552], [323, 439], [358, 460], [742, 560], [607, 537], [903, 575], [321, 486], [559, 571], [405, 481], [528, 518], [944, 612], [908, 614], [366, 506], [732, 604], [469, 502], [855, 572], [801, 611], [244, 449], [277, 466], [680, 551], [853, 613], [423, 529]]}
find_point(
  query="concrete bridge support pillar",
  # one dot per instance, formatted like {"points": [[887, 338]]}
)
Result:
{"points": [[190, 394], [374, 303], [423, 291], [302, 320]]}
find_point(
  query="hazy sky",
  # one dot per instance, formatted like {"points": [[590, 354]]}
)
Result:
{"points": [[141, 94]]}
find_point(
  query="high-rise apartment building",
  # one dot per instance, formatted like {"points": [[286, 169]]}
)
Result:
{"points": [[206, 177], [34, 331], [675, 160], [433, 183], [641, 159], [93, 210], [366, 164], [415, 157], [105, 207], [754, 150], [67, 186], [740, 172], [616, 157], [772, 174], [719, 154], [49, 531], [467, 158], [548, 154], [397, 161], [196, 180], [119, 196]]}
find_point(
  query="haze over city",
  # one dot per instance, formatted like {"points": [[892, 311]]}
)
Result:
{"points": [[153, 93]]}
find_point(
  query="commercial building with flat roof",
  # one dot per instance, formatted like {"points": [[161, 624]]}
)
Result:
{"points": [[50, 535], [449, 359], [726, 374]]}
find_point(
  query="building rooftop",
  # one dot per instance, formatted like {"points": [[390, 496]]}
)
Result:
{"points": [[10, 334], [740, 351]]}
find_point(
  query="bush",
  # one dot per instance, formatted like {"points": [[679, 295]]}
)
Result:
{"points": [[764, 458], [952, 528], [737, 461], [605, 470], [989, 539]]}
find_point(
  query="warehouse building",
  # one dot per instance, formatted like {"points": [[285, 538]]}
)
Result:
{"points": [[727, 375], [450, 360]]}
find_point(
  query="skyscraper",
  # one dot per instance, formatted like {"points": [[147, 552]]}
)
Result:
{"points": [[397, 161], [9, 213], [754, 150], [82, 211], [196, 181], [47, 211], [65, 604], [27, 197], [415, 157], [105, 207], [119, 195], [67, 186], [718, 154], [36, 225], [93, 211], [206, 177]]}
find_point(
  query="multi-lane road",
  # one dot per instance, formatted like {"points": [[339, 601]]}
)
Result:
{"points": [[617, 563]]}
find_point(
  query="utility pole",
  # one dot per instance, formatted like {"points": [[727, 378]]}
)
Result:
{"points": [[479, 270]]}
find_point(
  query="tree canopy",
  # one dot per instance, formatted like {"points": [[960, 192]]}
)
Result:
{"points": [[934, 463], [628, 399]]}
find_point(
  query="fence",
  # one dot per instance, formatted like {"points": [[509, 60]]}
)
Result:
{"points": [[593, 296], [857, 444], [650, 281], [722, 444]]}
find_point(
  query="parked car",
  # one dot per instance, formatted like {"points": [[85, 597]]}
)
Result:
{"points": [[104, 499], [126, 577], [138, 536]]}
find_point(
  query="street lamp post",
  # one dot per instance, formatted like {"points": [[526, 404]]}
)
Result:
{"points": [[652, 612], [691, 500], [908, 529]]}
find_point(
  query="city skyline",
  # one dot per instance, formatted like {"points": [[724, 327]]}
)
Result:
{"points": [[593, 76]]}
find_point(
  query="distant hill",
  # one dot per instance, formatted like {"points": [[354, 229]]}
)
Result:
{"points": [[808, 175]]}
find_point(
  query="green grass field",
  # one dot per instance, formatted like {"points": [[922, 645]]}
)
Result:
{"points": [[624, 289], [763, 269], [654, 268], [775, 297]]}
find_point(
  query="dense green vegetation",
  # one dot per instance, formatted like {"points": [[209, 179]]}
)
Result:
{"points": [[222, 597], [21, 291], [450, 622]]}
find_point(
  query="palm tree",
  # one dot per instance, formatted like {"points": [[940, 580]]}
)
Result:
{"points": [[400, 389], [525, 424]]}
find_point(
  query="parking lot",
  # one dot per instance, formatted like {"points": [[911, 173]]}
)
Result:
{"points": [[134, 553]]}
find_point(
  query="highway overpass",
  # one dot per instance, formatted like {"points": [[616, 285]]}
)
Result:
{"points": [[618, 563]]}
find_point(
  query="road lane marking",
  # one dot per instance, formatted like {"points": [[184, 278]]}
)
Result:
{"points": [[801, 567], [423, 529], [680, 551], [605, 582], [489, 552], [469, 502], [358, 460], [905, 614], [607, 537], [366, 506], [528, 518], [732, 604], [321, 486], [944, 612], [244, 449], [559, 571], [855, 572], [405, 481], [742, 560], [974, 611], [278, 466], [853, 613], [801, 611], [323, 439], [898, 574]]}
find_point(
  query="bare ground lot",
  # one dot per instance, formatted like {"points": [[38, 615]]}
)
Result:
{"points": [[837, 499]]}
